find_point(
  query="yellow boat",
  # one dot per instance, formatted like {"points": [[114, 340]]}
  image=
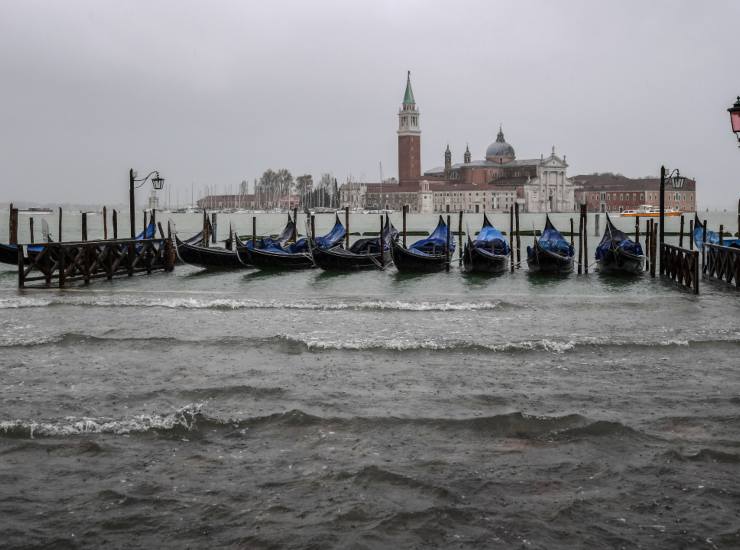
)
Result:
{"points": [[648, 211]]}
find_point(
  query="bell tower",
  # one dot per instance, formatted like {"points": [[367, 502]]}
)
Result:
{"points": [[409, 137]]}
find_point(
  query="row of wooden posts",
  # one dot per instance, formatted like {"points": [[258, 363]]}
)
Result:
{"points": [[13, 226]]}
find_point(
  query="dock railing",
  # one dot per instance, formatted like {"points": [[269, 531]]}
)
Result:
{"points": [[63, 263], [680, 265], [722, 263]]}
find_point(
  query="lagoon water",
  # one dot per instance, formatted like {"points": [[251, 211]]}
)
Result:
{"points": [[370, 410]]}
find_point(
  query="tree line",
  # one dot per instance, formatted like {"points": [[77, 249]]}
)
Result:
{"points": [[275, 188]]}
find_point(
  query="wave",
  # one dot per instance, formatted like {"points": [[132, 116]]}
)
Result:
{"points": [[229, 304], [192, 419], [299, 343], [182, 419]]}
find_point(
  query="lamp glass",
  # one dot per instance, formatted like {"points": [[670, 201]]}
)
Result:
{"points": [[735, 120], [157, 183]]}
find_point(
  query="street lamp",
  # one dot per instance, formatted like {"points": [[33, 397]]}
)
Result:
{"points": [[677, 181], [735, 118], [157, 183]]}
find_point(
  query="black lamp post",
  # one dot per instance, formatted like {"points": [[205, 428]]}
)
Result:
{"points": [[735, 118], [677, 181], [157, 183]]}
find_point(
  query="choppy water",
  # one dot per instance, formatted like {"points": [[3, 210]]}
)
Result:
{"points": [[370, 410]]}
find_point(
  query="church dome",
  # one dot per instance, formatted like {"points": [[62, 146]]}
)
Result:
{"points": [[499, 149]]}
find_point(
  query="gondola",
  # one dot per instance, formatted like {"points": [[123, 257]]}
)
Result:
{"points": [[207, 257], [712, 236], [427, 255], [617, 253], [269, 254], [363, 254], [551, 253], [263, 242], [488, 252]]}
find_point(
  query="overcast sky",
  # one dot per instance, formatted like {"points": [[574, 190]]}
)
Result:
{"points": [[215, 92]]}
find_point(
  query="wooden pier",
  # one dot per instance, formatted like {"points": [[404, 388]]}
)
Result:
{"points": [[722, 263], [680, 265], [58, 264]]}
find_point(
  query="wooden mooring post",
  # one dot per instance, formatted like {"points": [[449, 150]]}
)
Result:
{"points": [[580, 241], [460, 238], [105, 223], [572, 236], [205, 228], [30, 228], [59, 236], [721, 235], [680, 233], [449, 238], [381, 244], [83, 227], [13, 225], [115, 224], [295, 224], [585, 240], [648, 234], [518, 241], [637, 230], [704, 246], [346, 227], [511, 237], [254, 231], [691, 234], [405, 210], [653, 247]]}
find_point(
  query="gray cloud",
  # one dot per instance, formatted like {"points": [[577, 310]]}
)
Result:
{"points": [[214, 92]]}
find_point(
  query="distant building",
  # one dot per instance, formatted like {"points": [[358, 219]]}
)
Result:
{"points": [[493, 183], [616, 193], [223, 202]]}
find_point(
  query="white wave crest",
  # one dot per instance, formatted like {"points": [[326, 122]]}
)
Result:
{"points": [[236, 304], [183, 418]]}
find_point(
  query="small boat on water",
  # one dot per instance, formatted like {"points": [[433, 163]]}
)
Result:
{"points": [[617, 253], [488, 253], [648, 211], [269, 254], [363, 254], [9, 253], [426, 255], [551, 253], [279, 241], [193, 252], [712, 236]]}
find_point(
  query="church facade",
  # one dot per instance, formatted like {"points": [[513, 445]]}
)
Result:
{"points": [[492, 183]]}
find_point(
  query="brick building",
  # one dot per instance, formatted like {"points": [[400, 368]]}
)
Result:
{"points": [[616, 193], [539, 185]]}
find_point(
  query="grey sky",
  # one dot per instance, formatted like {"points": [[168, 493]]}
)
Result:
{"points": [[216, 92]]}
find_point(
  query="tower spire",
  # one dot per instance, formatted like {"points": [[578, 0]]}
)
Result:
{"points": [[466, 156], [408, 96]]}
